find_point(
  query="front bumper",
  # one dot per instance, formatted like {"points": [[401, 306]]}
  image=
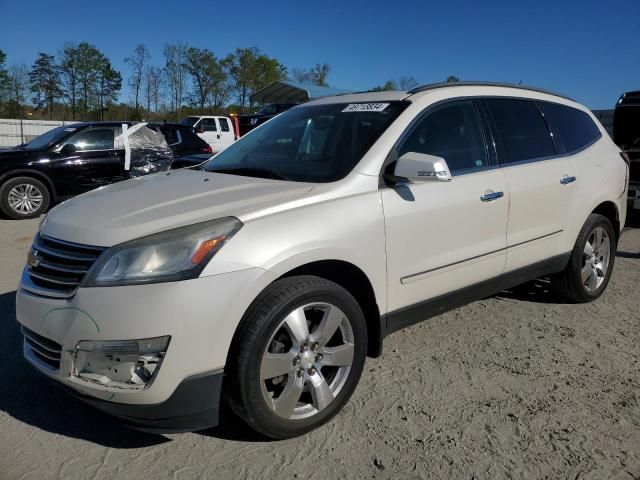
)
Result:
{"points": [[194, 405], [199, 315]]}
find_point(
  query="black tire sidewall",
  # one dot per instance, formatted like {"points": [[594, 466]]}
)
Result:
{"points": [[6, 187], [260, 415]]}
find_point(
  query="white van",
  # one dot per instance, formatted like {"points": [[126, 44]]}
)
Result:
{"points": [[217, 131], [266, 276]]}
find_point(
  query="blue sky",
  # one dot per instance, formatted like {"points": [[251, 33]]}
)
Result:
{"points": [[586, 49]]}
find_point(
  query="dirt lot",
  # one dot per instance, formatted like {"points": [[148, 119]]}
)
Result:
{"points": [[516, 386]]}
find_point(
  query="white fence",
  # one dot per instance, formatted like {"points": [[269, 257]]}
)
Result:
{"points": [[14, 132]]}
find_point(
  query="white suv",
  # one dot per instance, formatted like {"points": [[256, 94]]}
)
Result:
{"points": [[266, 276]]}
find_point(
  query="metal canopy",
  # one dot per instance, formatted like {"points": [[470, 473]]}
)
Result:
{"points": [[284, 91]]}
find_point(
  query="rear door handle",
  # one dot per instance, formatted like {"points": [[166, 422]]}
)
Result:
{"points": [[567, 180], [491, 196]]}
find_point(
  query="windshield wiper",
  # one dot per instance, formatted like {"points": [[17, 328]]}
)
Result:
{"points": [[250, 172]]}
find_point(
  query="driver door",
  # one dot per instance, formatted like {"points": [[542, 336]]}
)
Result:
{"points": [[445, 237], [95, 162]]}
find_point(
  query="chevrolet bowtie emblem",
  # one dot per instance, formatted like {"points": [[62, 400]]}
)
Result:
{"points": [[32, 259]]}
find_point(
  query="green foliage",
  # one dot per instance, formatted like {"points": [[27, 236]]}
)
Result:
{"points": [[389, 85], [452, 78], [209, 78], [316, 75], [90, 83], [251, 70], [46, 83], [108, 87]]}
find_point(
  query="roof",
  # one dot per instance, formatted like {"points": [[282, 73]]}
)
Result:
{"points": [[433, 86], [284, 91], [384, 96]]}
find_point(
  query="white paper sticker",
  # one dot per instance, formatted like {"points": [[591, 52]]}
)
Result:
{"points": [[365, 107]]}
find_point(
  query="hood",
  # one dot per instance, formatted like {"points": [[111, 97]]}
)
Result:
{"points": [[14, 153], [145, 205]]}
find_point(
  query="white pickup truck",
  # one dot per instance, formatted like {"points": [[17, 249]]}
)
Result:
{"points": [[217, 131]]}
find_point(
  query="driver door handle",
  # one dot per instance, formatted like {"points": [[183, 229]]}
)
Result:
{"points": [[567, 180], [491, 196]]}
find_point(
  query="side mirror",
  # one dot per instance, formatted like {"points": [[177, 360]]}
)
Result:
{"points": [[68, 149], [421, 167], [200, 129]]}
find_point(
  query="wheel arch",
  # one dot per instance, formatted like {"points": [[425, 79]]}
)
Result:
{"points": [[357, 283], [38, 175], [609, 210]]}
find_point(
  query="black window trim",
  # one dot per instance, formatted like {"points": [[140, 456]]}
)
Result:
{"points": [[559, 154], [487, 135], [116, 132], [560, 146]]}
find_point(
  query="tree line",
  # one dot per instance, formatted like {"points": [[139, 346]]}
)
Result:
{"points": [[80, 83]]}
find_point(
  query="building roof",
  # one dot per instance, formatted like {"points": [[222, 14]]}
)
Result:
{"points": [[284, 91]]}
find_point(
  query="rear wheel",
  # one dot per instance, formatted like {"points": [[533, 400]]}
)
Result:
{"points": [[23, 197], [591, 263], [298, 356]]}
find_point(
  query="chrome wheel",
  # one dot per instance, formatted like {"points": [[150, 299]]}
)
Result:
{"points": [[25, 199], [596, 257], [307, 361]]}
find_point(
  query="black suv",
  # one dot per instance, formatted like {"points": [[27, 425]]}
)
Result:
{"points": [[626, 134], [246, 123], [59, 164]]}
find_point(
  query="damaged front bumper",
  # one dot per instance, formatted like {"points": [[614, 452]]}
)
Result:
{"points": [[152, 355]]}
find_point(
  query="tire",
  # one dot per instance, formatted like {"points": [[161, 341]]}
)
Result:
{"points": [[280, 353], [24, 197], [571, 284]]}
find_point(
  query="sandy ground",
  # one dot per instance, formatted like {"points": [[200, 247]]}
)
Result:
{"points": [[520, 385]]}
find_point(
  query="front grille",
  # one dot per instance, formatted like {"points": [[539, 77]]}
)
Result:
{"points": [[56, 268], [42, 351]]}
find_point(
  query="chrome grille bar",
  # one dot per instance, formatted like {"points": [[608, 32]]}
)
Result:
{"points": [[41, 351], [56, 268]]}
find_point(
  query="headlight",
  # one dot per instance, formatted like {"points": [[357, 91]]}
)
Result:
{"points": [[177, 254]]}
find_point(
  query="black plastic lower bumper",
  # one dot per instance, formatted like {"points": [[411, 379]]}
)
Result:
{"points": [[194, 405]]}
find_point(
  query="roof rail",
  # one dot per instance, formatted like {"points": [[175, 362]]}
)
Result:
{"points": [[433, 86]]}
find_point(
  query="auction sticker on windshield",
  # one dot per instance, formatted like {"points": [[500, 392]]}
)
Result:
{"points": [[365, 107]]}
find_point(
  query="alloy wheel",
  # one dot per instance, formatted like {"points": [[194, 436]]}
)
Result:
{"points": [[307, 361], [25, 199], [595, 260]]}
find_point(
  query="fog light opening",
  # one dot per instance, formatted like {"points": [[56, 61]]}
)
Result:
{"points": [[128, 364]]}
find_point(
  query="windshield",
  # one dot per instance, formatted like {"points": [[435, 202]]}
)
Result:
{"points": [[309, 144], [268, 109], [49, 139], [189, 121]]}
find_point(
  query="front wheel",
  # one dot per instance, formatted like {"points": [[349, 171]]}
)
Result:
{"points": [[297, 357], [591, 262], [23, 197]]}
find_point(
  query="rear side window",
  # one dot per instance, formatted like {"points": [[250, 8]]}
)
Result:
{"points": [[572, 128], [209, 124], [171, 135], [451, 131], [224, 124], [522, 131], [94, 139]]}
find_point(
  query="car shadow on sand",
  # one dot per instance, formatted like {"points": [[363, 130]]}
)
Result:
{"points": [[537, 291], [29, 397]]}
